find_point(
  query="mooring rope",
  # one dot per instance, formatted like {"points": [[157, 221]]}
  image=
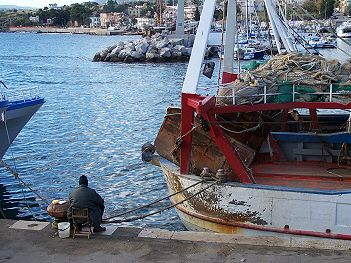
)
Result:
{"points": [[2, 213], [163, 209], [16, 175], [3, 84], [14, 161], [152, 203]]}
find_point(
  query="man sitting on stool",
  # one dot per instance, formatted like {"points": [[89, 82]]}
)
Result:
{"points": [[85, 197]]}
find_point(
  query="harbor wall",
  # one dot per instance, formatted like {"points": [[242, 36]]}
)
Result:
{"points": [[72, 30]]}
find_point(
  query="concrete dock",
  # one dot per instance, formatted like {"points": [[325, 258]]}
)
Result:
{"points": [[30, 241]]}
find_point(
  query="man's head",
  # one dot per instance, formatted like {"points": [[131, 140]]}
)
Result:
{"points": [[83, 180]]}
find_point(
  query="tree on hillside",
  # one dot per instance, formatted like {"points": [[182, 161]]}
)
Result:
{"points": [[319, 8], [310, 6], [218, 14], [90, 5], [59, 17], [80, 13], [110, 6], [198, 2], [148, 10], [122, 8], [329, 8], [63, 16]]}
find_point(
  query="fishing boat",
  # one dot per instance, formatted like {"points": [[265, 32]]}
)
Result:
{"points": [[248, 53], [15, 113], [263, 160]]}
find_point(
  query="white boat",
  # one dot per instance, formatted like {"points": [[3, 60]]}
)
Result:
{"points": [[318, 42], [344, 30]]}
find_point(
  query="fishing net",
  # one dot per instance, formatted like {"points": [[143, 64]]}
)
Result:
{"points": [[309, 76]]}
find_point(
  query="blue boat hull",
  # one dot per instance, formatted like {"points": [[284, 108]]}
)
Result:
{"points": [[16, 117]]}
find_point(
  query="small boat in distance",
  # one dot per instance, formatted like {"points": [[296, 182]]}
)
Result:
{"points": [[15, 113], [344, 30], [317, 42]]}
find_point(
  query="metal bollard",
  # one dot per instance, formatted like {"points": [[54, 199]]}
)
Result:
{"points": [[206, 174], [222, 177]]}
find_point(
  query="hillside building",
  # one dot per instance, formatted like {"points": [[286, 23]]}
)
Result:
{"points": [[112, 19]]}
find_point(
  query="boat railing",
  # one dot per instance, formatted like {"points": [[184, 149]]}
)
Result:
{"points": [[24, 95], [229, 94]]}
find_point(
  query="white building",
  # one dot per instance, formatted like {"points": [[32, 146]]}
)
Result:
{"points": [[252, 5], [170, 15], [54, 6], [112, 19], [134, 11], [143, 22], [170, 12], [34, 19], [189, 12], [343, 5]]}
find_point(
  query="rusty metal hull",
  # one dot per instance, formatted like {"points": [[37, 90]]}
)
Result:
{"points": [[249, 209]]}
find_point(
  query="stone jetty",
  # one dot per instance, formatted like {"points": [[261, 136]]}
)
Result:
{"points": [[158, 48]]}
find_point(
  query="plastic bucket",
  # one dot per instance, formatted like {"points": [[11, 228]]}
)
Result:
{"points": [[64, 229]]}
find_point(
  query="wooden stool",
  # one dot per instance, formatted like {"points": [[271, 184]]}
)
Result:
{"points": [[80, 217]]}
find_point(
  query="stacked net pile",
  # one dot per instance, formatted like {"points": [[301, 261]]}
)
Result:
{"points": [[309, 76]]}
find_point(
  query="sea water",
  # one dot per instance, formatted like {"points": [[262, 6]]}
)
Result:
{"points": [[94, 122]]}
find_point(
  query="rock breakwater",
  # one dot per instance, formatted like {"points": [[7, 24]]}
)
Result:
{"points": [[157, 48]]}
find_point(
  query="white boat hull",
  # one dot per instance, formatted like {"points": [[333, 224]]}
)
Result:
{"points": [[249, 209], [344, 35]]}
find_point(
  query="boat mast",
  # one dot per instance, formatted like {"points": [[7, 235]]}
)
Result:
{"points": [[279, 29], [180, 18], [247, 18], [230, 39], [195, 63]]}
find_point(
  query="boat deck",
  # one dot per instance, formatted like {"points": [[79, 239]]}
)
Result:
{"points": [[303, 175]]}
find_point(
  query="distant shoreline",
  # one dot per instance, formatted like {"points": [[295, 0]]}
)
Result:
{"points": [[72, 30]]}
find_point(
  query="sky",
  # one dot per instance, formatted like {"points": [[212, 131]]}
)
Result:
{"points": [[38, 3]]}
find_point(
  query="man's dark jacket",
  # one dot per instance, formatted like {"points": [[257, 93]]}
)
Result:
{"points": [[85, 197]]}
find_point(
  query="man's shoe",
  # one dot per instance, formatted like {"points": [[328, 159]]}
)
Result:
{"points": [[99, 229]]}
